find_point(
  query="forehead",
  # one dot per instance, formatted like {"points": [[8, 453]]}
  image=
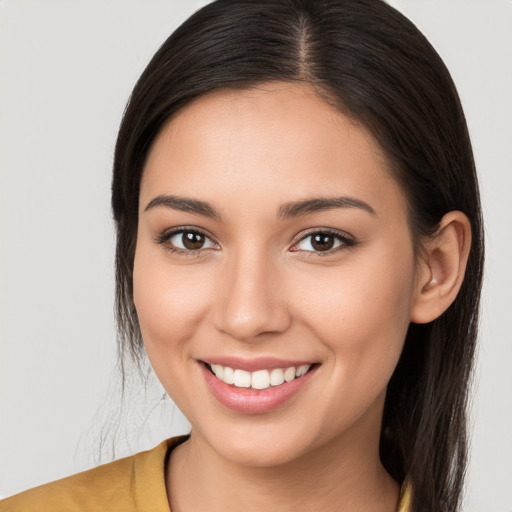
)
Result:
{"points": [[279, 141]]}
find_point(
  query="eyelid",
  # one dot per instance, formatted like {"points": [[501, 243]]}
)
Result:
{"points": [[347, 241], [165, 236]]}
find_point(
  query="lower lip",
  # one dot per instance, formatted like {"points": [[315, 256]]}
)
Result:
{"points": [[254, 401]]}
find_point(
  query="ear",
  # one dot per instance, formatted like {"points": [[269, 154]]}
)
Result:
{"points": [[441, 268]]}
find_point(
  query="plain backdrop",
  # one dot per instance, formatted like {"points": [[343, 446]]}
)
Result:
{"points": [[66, 70]]}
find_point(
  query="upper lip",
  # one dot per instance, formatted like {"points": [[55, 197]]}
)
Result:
{"points": [[252, 365]]}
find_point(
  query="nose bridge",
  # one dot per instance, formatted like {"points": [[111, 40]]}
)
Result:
{"points": [[252, 302]]}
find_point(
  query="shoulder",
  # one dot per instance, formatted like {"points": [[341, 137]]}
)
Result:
{"points": [[135, 483], [83, 491]]}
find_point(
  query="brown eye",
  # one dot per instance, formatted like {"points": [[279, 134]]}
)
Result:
{"points": [[192, 241], [323, 241], [188, 240]]}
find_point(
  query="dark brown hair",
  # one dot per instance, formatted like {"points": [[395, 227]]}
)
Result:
{"points": [[373, 64]]}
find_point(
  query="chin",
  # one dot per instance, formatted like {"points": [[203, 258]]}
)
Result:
{"points": [[259, 446], [258, 455]]}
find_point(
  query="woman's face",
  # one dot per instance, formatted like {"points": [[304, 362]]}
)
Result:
{"points": [[272, 235]]}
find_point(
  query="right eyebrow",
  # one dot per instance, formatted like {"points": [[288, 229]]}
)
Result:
{"points": [[184, 204]]}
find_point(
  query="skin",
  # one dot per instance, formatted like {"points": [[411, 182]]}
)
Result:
{"points": [[258, 288]]}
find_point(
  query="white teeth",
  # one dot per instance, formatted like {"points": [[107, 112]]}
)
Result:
{"points": [[218, 370], [260, 379], [229, 375], [276, 377], [242, 379], [289, 374], [301, 370]]}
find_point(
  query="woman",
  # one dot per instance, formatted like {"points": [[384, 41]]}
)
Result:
{"points": [[300, 255]]}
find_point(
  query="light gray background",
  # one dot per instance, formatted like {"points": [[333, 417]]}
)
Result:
{"points": [[66, 70]]}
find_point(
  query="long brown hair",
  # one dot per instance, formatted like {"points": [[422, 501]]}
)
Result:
{"points": [[373, 64]]}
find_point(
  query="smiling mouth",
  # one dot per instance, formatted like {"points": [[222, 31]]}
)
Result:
{"points": [[260, 379]]}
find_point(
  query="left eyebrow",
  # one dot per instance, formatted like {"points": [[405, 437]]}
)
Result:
{"points": [[316, 204], [184, 204]]}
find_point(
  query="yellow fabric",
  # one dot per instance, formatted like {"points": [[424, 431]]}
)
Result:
{"points": [[132, 484], [405, 498]]}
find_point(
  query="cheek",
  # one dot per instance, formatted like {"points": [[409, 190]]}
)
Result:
{"points": [[170, 301], [360, 314], [361, 311]]}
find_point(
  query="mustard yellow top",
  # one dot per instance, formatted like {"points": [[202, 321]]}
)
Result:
{"points": [[132, 484]]}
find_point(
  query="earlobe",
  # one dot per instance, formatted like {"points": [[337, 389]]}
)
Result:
{"points": [[441, 268]]}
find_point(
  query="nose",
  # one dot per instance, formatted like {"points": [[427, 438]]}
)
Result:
{"points": [[252, 299]]}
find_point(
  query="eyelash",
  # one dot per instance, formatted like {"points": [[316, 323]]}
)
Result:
{"points": [[164, 238], [346, 242]]}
